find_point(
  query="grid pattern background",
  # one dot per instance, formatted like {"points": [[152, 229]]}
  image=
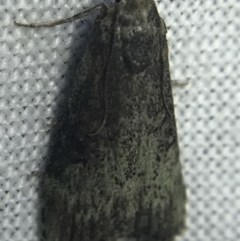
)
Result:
{"points": [[36, 65]]}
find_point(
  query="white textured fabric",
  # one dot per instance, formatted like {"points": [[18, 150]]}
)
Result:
{"points": [[35, 65]]}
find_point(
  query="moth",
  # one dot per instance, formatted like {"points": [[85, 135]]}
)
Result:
{"points": [[114, 172]]}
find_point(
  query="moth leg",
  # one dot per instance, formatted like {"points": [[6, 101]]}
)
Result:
{"points": [[101, 6], [177, 84]]}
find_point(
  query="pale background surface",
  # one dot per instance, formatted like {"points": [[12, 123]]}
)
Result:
{"points": [[204, 51]]}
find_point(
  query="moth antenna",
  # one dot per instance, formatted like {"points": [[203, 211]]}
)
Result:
{"points": [[77, 16]]}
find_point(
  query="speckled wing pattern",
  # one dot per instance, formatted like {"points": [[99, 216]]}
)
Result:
{"points": [[114, 172]]}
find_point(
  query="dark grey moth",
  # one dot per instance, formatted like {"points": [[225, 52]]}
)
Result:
{"points": [[114, 172]]}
